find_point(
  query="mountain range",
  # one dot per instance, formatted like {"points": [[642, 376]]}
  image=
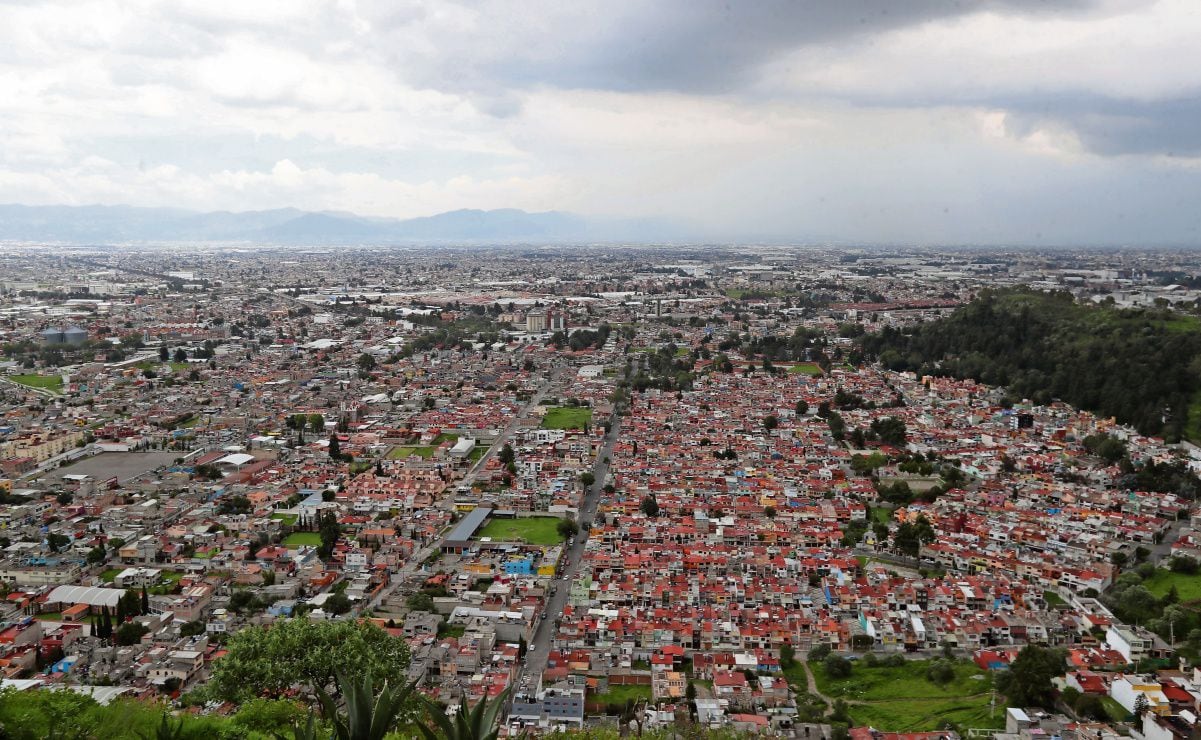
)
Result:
{"points": [[289, 226]]}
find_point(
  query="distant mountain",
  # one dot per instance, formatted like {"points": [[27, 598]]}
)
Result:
{"points": [[126, 224]]}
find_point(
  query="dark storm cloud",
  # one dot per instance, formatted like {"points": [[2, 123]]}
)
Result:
{"points": [[710, 46], [1114, 127]]}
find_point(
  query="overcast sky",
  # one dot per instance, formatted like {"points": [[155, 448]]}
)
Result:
{"points": [[937, 121]]}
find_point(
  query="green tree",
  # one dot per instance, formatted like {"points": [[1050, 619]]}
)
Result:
{"points": [[269, 716], [650, 506], [316, 423], [837, 666], [131, 633], [299, 652], [1028, 680], [335, 447]]}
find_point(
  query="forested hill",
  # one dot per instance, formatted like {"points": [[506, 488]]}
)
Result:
{"points": [[1142, 367]]}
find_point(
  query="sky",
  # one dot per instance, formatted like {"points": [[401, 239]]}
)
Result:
{"points": [[924, 121]]}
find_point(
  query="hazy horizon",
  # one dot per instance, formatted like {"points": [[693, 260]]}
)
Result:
{"points": [[990, 122]]}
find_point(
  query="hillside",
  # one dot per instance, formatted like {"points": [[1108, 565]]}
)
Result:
{"points": [[1139, 366]]}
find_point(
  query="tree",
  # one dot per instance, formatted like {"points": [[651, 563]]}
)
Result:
{"points": [[191, 629], [837, 666], [145, 601], [1141, 705], [567, 527], [1028, 680], [819, 652], [180, 355], [650, 506], [891, 430], [56, 542], [337, 603], [163, 355], [268, 716], [587, 479], [97, 555], [316, 423], [299, 652], [366, 362], [1118, 558], [469, 723], [770, 422], [769, 511], [130, 633], [335, 447], [507, 455], [787, 656], [802, 407], [367, 717]]}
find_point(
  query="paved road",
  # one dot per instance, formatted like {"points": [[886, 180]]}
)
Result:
{"points": [[536, 657]]}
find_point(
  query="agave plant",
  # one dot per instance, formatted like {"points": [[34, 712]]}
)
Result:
{"points": [[469, 723], [367, 717]]}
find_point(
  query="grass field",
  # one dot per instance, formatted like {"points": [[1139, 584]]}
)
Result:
{"points": [[620, 694], [287, 519], [52, 383], [477, 452], [536, 530], [445, 437], [1188, 588], [882, 515], [566, 417], [297, 539], [1053, 599], [805, 368], [400, 453], [1116, 711], [902, 699], [108, 575]]}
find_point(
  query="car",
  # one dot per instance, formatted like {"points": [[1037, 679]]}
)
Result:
{"points": [[531, 648]]}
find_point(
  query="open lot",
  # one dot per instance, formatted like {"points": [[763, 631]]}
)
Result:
{"points": [[299, 539], [902, 699], [1188, 587], [566, 417], [805, 368], [52, 383], [400, 453], [536, 530], [123, 465]]}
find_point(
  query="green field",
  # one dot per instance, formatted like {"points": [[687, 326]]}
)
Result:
{"points": [[805, 368], [400, 453], [287, 519], [477, 452], [901, 699], [445, 437], [566, 417], [882, 515], [108, 575], [621, 694], [297, 539], [1188, 587], [1053, 599], [52, 383], [535, 530]]}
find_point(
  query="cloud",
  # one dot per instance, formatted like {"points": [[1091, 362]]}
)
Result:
{"points": [[924, 119]]}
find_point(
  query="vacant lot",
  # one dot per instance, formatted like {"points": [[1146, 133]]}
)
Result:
{"points": [[566, 417], [400, 453], [1188, 587], [53, 383], [536, 530], [901, 699], [805, 368], [298, 539]]}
